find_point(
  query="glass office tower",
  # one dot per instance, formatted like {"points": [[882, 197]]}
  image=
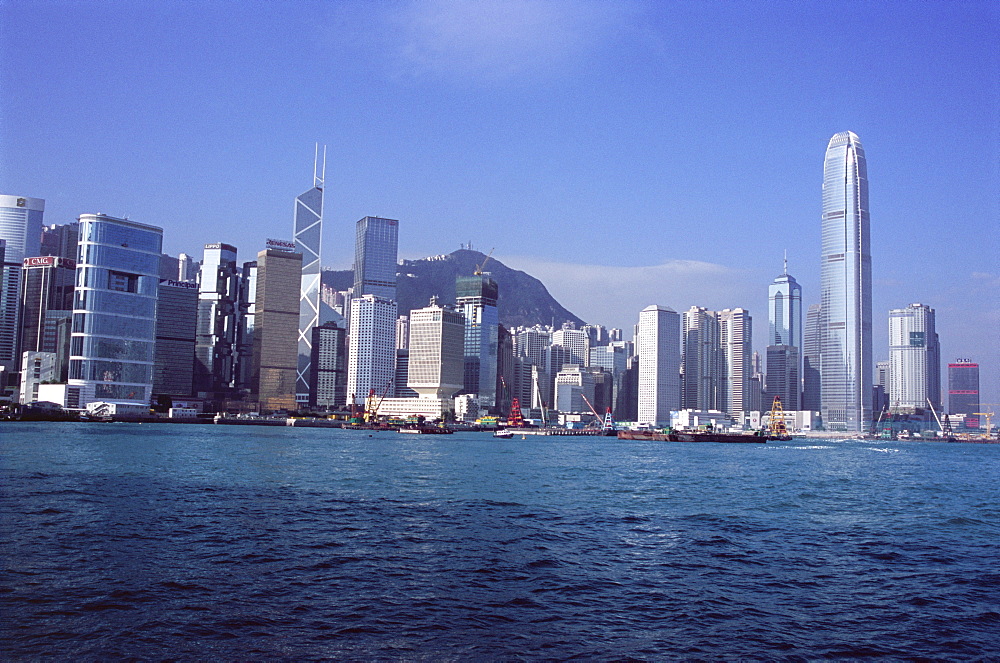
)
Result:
{"points": [[476, 296], [114, 313], [21, 228], [914, 358], [784, 342], [375, 257], [846, 288]]}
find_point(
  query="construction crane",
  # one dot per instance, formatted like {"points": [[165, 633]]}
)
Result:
{"points": [[988, 424], [776, 423], [541, 401], [372, 405], [596, 416], [945, 426], [479, 268]]}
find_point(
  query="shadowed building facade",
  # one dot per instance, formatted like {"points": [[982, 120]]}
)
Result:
{"points": [[275, 339]]}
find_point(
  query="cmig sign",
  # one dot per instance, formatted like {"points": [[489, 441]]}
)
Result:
{"points": [[48, 261]]}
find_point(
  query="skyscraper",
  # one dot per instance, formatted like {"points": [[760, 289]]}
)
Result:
{"points": [[437, 349], [880, 387], [275, 350], [701, 361], [46, 297], [846, 287], [576, 342], [308, 242], [658, 347], [60, 240], [21, 228], [371, 357], [328, 373], [218, 321], [375, 257], [784, 341], [811, 360], [914, 358], [176, 337], [736, 367], [784, 312], [114, 315], [476, 296], [963, 390], [246, 323]]}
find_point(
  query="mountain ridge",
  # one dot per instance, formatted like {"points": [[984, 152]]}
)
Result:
{"points": [[523, 300]]}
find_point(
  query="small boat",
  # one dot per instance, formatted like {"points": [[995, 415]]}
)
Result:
{"points": [[504, 434], [711, 436], [426, 430], [689, 436], [648, 435]]}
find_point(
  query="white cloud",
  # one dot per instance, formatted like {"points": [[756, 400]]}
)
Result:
{"points": [[496, 39], [613, 296]]}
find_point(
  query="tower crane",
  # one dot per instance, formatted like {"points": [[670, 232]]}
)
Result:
{"points": [[479, 268], [988, 415]]}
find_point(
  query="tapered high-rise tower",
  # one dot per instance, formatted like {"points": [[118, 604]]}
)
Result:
{"points": [[784, 341], [846, 287], [308, 240]]}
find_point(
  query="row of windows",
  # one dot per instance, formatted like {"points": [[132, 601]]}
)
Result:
{"points": [[111, 348], [100, 278], [116, 235], [120, 392], [105, 324], [122, 258], [110, 302], [110, 371]]}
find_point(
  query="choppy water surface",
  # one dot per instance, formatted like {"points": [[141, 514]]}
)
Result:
{"points": [[196, 542]]}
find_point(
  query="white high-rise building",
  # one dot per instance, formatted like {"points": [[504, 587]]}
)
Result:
{"points": [[371, 361], [702, 364], [658, 345], [21, 228], [437, 351], [577, 344], [914, 358], [736, 350], [846, 288]]}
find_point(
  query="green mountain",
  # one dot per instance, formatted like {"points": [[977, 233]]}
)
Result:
{"points": [[523, 299]]}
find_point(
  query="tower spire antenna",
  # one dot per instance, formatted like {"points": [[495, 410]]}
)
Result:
{"points": [[319, 175], [786, 261]]}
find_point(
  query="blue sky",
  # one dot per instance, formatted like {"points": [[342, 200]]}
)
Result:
{"points": [[625, 153]]}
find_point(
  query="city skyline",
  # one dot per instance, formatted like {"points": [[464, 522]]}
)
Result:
{"points": [[648, 112]]}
